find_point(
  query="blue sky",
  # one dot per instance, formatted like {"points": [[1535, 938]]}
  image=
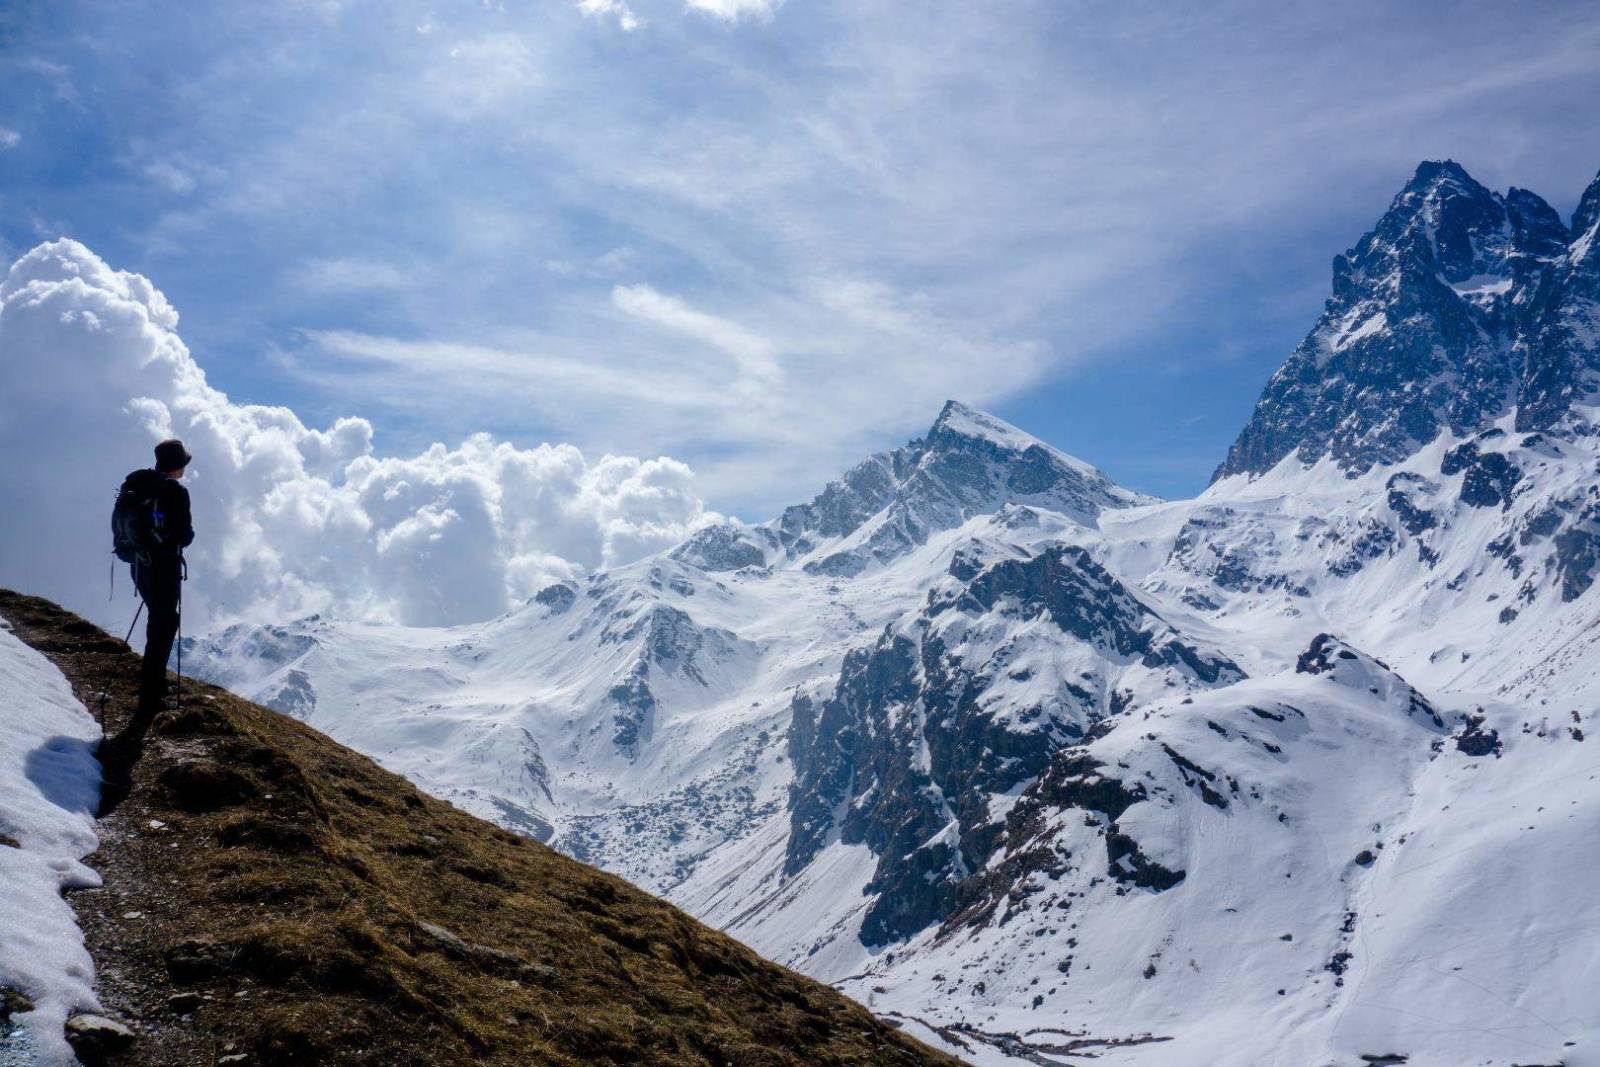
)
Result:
{"points": [[765, 239]]}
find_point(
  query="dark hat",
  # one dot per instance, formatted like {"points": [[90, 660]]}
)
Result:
{"points": [[171, 456]]}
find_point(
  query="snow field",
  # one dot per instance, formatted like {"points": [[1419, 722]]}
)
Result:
{"points": [[49, 790]]}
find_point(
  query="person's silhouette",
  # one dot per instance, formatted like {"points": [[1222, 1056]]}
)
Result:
{"points": [[159, 575]]}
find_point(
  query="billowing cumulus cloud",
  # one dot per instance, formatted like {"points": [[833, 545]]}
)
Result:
{"points": [[291, 519]]}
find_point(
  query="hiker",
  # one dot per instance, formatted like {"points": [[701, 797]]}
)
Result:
{"points": [[153, 528]]}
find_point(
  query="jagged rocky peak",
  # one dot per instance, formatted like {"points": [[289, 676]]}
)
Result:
{"points": [[1029, 467], [1460, 306], [1586, 221], [1563, 372], [969, 463]]}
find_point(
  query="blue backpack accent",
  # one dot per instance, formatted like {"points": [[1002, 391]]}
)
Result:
{"points": [[136, 518]]}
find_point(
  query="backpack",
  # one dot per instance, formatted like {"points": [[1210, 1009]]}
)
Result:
{"points": [[136, 518]]}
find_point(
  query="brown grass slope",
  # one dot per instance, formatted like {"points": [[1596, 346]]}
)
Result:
{"points": [[272, 897]]}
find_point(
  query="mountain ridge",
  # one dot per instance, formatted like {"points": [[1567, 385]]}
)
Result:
{"points": [[1456, 308], [324, 911], [969, 461], [996, 745]]}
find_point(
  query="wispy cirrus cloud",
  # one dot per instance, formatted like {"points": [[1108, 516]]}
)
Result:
{"points": [[351, 274], [758, 374], [786, 388], [831, 213], [616, 10], [734, 10]]}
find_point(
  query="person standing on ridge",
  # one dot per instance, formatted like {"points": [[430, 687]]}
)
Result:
{"points": [[160, 529]]}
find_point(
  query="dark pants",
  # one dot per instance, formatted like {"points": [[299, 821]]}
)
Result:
{"points": [[161, 587]]}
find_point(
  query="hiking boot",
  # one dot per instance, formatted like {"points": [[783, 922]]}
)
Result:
{"points": [[149, 709]]}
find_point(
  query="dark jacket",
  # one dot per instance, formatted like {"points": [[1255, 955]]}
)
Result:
{"points": [[175, 523]]}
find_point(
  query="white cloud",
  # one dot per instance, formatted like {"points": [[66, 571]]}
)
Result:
{"points": [[9, 138], [777, 394], [170, 177], [58, 74], [616, 9], [479, 75], [606, 265], [350, 274], [290, 519], [756, 357], [733, 10]]}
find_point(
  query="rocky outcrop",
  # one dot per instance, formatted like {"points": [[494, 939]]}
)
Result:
{"points": [[930, 723], [1460, 306]]}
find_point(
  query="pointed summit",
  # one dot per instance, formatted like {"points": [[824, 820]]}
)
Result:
{"points": [[1432, 173], [1586, 219], [958, 420], [969, 463], [1424, 331], [961, 428]]}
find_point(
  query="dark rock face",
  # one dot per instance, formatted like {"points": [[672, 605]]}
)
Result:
{"points": [[1319, 656], [728, 547], [1075, 782], [1489, 477], [670, 643], [1563, 360], [1474, 740], [906, 751], [1459, 306], [1577, 553], [1370, 541], [633, 722], [296, 697], [1405, 489], [558, 598]]}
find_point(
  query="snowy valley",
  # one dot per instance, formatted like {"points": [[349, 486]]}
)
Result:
{"points": [[1295, 771]]}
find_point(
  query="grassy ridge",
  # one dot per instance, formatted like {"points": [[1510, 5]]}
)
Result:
{"points": [[292, 902]]}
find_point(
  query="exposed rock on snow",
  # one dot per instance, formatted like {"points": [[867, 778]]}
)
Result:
{"points": [[96, 1038]]}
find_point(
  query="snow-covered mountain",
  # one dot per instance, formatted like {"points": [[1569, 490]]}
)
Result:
{"points": [[1292, 772], [1461, 306]]}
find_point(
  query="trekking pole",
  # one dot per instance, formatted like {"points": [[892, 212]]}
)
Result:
{"points": [[105, 693], [137, 612], [177, 696]]}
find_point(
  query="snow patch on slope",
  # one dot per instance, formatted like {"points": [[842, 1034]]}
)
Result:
{"points": [[49, 790]]}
